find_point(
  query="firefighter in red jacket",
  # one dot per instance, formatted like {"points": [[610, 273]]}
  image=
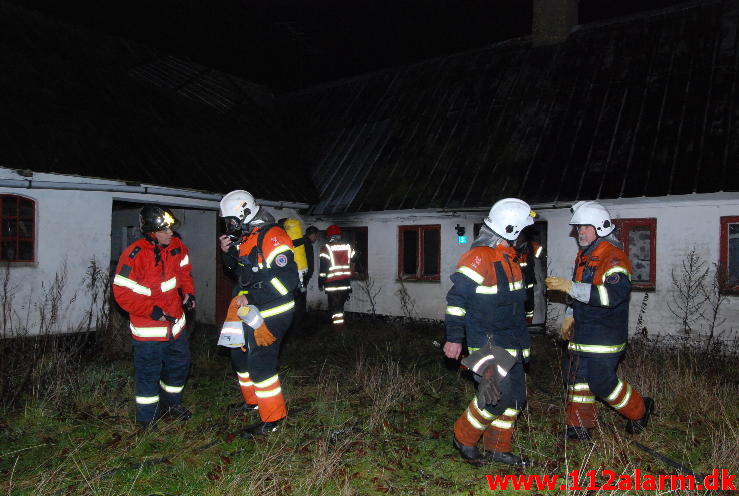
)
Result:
{"points": [[599, 313], [335, 274], [259, 253], [486, 303], [152, 283]]}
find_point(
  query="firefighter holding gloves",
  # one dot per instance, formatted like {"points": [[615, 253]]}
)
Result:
{"points": [[596, 325], [153, 283], [259, 253], [486, 308]]}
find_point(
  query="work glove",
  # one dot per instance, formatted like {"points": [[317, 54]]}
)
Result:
{"points": [[251, 317], [565, 331], [157, 313], [189, 302], [492, 364], [558, 284]]}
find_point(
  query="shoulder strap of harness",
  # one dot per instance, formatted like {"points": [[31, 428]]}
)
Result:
{"points": [[260, 239]]}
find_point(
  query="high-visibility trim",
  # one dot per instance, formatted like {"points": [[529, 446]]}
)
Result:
{"points": [[337, 267], [147, 400], [472, 420], [119, 280], [338, 288], [478, 278], [515, 285], [538, 251], [268, 394], [581, 399], [326, 255], [526, 352], [339, 321], [267, 382], [486, 289], [617, 269], [596, 348], [171, 389], [529, 286], [512, 351], [169, 284], [148, 332], [185, 261], [243, 292], [341, 314], [616, 390], [523, 264], [511, 412], [178, 326], [580, 386], [627, 396], [483, 413], [337, 274], [278, 310], [321, 274], [246, 383], [502, 424], [275, 252], [279, 286], [603, 293], [244, 375], [456, 311]]}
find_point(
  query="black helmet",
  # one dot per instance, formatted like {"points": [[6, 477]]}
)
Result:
{"points": [[153, 218]]}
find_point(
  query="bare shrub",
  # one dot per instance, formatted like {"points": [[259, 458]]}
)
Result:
{"points": [[688, 295], [369, 294]]}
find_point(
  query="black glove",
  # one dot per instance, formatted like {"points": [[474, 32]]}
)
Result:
{"points": [[189, 301], [157, 313], [492, 364]]}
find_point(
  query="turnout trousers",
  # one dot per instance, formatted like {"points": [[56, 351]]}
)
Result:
{"points": [[589, 377], [160, 372], [257, 370], [336, 302], [494, 423]]}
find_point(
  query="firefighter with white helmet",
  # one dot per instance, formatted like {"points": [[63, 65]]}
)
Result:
{"points": [[485, 307], [259, 253], [596, 325]]}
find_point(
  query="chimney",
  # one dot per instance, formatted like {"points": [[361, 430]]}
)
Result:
{"points": [[553, 20]]}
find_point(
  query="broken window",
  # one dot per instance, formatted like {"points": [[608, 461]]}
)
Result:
{"points": [[639, 238], [419, 252], [18, 236], [729, 255]]}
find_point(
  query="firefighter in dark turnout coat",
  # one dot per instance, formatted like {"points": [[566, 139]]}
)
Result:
{"points": [[152, 283], [600, 291], [260, 255], [336, 268], [486, 303]]}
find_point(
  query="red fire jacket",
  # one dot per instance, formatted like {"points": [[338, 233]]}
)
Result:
{"points": [[140, 284]]}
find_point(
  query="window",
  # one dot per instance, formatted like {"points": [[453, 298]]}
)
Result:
{"points": [[357, 237], [729, 254], [639, 237], [419, 251], [17, 240]]}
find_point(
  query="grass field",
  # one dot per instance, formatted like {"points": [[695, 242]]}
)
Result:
{"points": [[370, 412]]}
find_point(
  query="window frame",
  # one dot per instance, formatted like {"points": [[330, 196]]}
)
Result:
{"points": [[365, 257], [420, 255], [18, 238], [623, 228], [724, 255]]}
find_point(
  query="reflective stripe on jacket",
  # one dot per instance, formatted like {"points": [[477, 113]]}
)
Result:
{"points": [[601, 325], [336, 265], [487, 299], [141, 283]]}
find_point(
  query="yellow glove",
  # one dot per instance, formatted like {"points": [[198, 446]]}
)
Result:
{"points": [[565, 332], [263, 337], [558, 284]]}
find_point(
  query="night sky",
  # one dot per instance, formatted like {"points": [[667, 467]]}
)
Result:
{"points": [[290, 44]]}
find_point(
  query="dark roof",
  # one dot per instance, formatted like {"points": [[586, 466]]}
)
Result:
{"points": [[74, 102], [641, 107]]}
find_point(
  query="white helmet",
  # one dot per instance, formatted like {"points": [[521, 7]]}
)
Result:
{"points": [[238, 208], [508, 217], [591, 213]]}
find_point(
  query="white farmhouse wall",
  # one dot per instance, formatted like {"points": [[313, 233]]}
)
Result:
{"points": [[683, 223]]}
